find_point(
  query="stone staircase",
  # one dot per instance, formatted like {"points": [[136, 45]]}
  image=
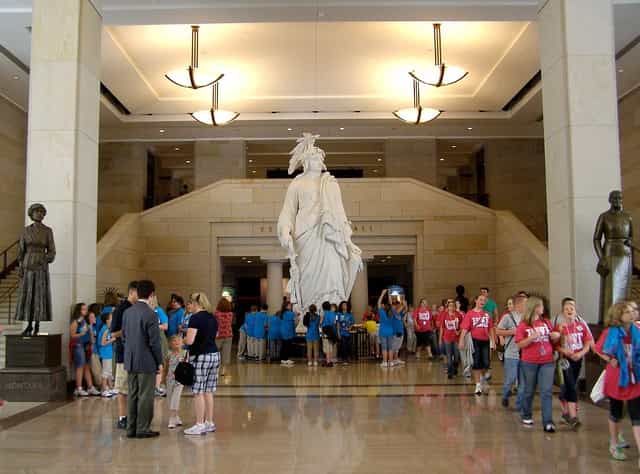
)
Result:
{"points": [[8, 293]]}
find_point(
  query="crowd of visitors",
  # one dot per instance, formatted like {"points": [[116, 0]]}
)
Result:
{"points": [[144, 344]]}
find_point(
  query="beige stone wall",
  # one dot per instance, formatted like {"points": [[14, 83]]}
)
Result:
{"points": [[120, 255], [454, 241], [215, 161], [411, 159], [122, 181], [629, 122], [521, 260], [515, 180], [13, 152]]}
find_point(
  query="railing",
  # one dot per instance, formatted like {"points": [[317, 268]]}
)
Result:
{"points": [[9, 258], [8, 302]]}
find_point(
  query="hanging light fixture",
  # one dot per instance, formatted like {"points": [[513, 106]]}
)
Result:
{"points": [[215, 116], [192, 77], [439, 74], [416, 114]]}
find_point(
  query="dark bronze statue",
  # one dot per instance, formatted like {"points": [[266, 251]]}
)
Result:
{"points": [[613, 241], [35, 252]]}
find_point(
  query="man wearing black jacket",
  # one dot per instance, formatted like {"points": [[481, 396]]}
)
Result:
{"points": [[121, 373]]}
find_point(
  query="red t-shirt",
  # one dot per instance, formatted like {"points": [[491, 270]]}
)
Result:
{"points": [[224, 324], [451, 326], [440, 316], [575, 335], [423, 319], [540, 351], [478, 323], [612, 374]]}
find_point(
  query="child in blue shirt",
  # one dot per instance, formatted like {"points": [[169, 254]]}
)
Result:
{"points": [[287, 332], [345, 321], [275, 336], [250, 322], [260, 332], [105, 351], [329, 332], [386, 331], [312, 322]]}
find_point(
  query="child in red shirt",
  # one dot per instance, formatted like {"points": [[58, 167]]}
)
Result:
{"points": [[480, 324], [449, 334], [424, 329]]}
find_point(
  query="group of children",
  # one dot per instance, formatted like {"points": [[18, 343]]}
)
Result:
{"points": [[265, 336]]}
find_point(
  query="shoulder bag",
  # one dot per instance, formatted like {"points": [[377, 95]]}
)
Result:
{"points": [[185, 372]]}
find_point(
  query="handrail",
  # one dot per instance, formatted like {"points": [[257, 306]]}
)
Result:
{"points": [[8, 295], [8, 264]]}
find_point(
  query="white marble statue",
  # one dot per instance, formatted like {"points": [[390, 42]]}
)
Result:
{"points": [[314, 229]]}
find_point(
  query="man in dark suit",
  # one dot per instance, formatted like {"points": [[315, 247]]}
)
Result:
{"points": [[142, 357]]}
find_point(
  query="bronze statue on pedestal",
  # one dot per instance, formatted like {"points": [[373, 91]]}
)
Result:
{"points": [[36, 251], [613, 242]]}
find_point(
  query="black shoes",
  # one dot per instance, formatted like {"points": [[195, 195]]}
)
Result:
{"points": [[148, 434], [505, 402]]}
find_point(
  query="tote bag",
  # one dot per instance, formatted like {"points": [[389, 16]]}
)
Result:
{"points": [[597, 392]]}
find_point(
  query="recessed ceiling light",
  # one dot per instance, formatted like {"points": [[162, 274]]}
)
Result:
{"points": [[249, 261], [244, 258], [375, 171], [188, 162], [341, 128], [162, 130], [177, 148], [289, 129], [253, 171], [619, 70], [15, 78], [469, 128], [454, 146], [441, 159], [250, 161], [379, 160]]}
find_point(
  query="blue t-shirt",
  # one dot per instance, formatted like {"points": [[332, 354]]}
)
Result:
{"points": [[105, 351], [162, 316], [398, 325], [259, 323], [95, 330], [329, 318], [86, 339], [249, 323], [288, 325], [345, 321], [313, 330], [386, 324], [275, 324], [175, 319]]}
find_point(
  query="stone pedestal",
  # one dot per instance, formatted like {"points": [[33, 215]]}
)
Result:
{"points": [[34, 372]]}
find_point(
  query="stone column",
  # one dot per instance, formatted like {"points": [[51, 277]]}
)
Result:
{"points": [[581, 140], [274, 285], [360, 293], [62, 149]]}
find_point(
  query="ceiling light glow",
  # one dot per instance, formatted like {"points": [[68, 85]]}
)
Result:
{"points": [[439, 74]]}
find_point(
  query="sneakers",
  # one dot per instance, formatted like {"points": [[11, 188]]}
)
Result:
{"points": [[478, 390], [617, 453], [315, 363], [384, 365], [574, 423], [198, 429], [566, 419], [505, 402], [172, 423], [107, 394], [527, 421], [400, 362], [549, 428], [622, 443], [210, 426], [309, 363], [160, 392], [122, 423], [79, 392], [93, 392]]}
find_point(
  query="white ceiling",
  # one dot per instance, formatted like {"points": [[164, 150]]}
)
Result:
{"points": [[299, 56]]}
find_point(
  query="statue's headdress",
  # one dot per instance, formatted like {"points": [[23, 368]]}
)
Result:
{"points": [[304, 150]]}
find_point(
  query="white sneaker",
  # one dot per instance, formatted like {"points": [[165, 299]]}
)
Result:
{"points": [[178, 421], [172, 423], [210, 426], [283, 362], [114, 392], [401, 362], [78, 392], [107, 394], [315, 363], [196, 430], [384, 365], [290, 362], [93, 392], [309, 363], [478, 389]]}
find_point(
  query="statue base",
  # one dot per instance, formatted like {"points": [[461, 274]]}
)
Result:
{"points": [[45, 384], [34, 371], [34, 351]]}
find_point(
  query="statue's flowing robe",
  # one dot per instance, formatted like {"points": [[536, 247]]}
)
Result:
{"points": [[324, 263]]}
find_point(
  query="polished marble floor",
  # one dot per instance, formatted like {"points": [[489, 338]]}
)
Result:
{"points": [[355, 419]]}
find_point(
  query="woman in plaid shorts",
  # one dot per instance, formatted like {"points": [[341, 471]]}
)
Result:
{"points": [[204, 355]]}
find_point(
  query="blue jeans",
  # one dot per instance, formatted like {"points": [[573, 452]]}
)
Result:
{"points": [[511, 376], [540, 375], [453, 356]]}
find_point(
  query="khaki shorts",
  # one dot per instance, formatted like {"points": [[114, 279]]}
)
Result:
{"points": [[121, 384]]}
